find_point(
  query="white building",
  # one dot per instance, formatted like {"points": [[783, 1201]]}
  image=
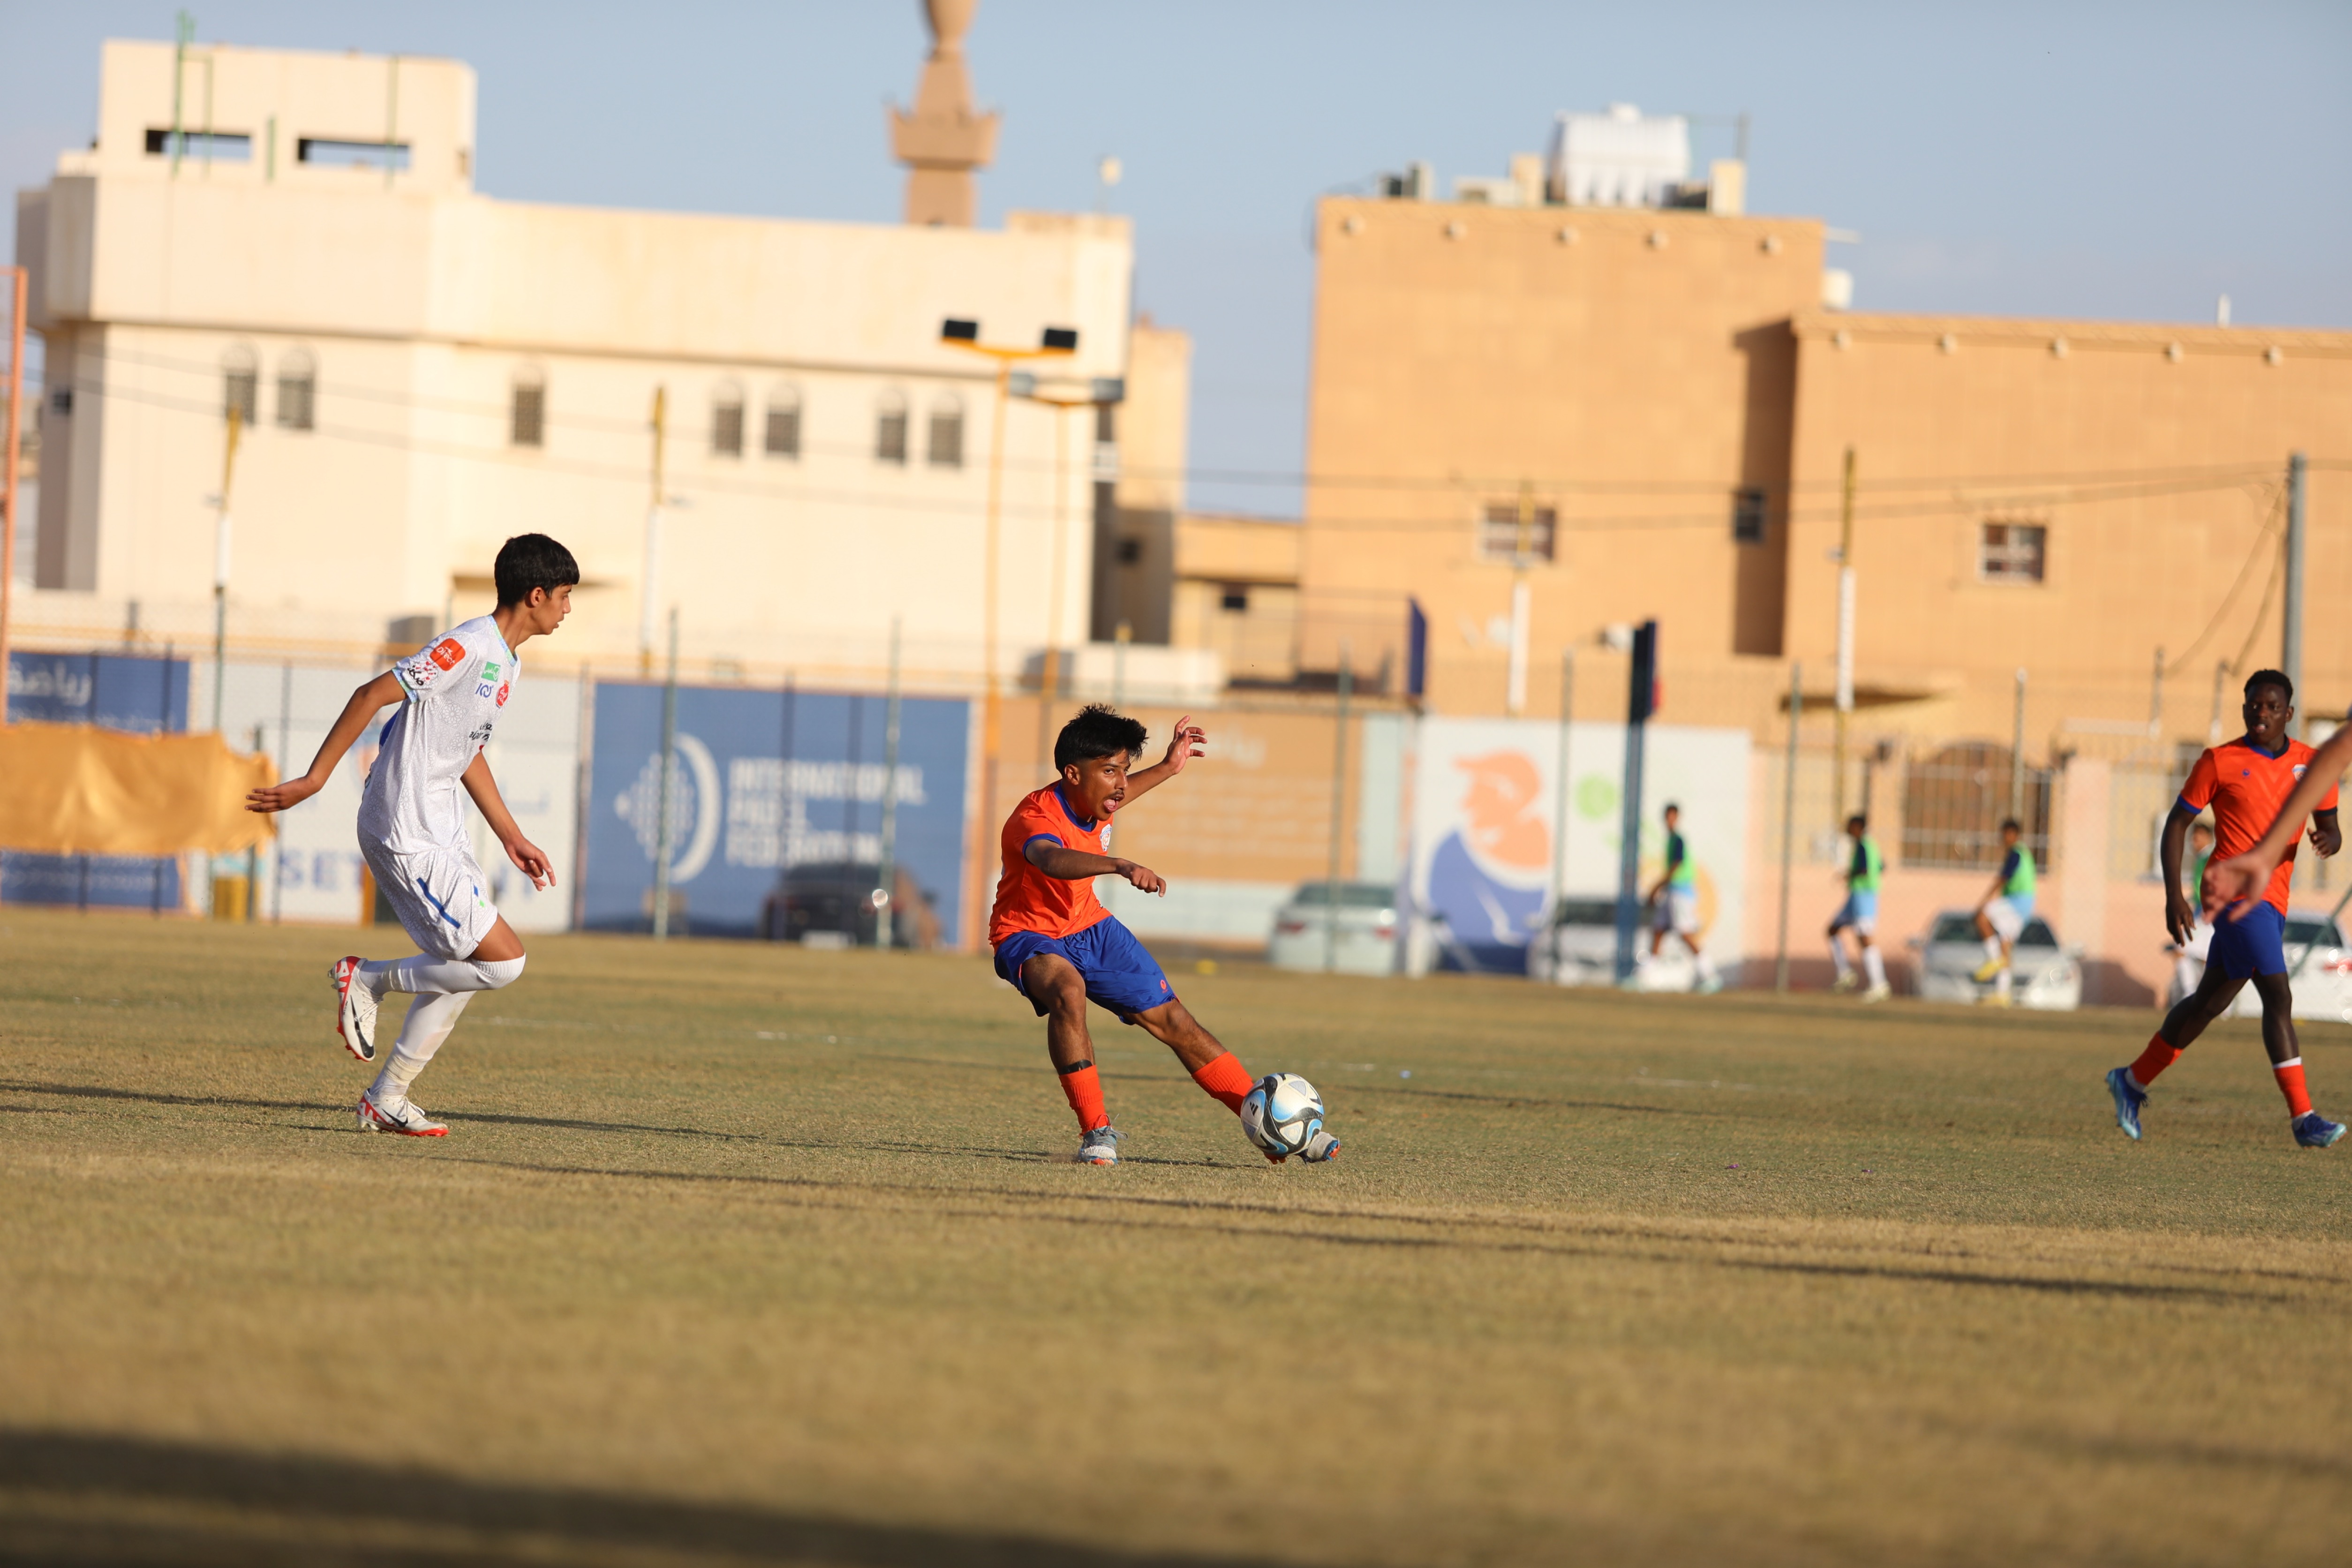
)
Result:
{"points": [[427, 370]]}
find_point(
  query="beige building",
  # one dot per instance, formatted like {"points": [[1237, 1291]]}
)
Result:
{"points": [[1539, 422], [423, 371]]}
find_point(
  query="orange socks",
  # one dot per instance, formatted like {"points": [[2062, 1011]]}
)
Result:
{"points": [[1084, 1091], [2153, 1060], [2290, 1082], [1227, 1081]]}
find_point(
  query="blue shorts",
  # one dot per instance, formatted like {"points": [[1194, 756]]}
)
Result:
{"points": [[1119, 975], [2254, 945], [1860, 911]]}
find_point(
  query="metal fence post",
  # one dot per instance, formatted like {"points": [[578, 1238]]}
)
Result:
{"points": [[1789, 820]]}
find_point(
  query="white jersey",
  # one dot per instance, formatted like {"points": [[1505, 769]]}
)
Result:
{"points": [[456, 686]]}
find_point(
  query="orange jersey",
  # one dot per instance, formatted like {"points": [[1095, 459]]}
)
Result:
{"points": [[2245, 787], [1027, 899]]}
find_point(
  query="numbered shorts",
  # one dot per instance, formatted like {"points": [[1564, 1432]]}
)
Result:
{"points": [[1677, 910], [2251, 945], [437, 894], [2007, 917], [1858, 914], [1119, 975]]}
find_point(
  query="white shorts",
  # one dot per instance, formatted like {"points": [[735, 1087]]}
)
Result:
{"points": [[2200, 943], [1677, 910], [437, 894], [2008, 921]]}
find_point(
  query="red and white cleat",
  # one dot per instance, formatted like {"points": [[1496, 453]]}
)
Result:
{"points": [[354, 1009], [398, 1116]]}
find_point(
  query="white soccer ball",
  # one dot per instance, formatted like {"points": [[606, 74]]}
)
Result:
{"points": [[1282, 1112]]}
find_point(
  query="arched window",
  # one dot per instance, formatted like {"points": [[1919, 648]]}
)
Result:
{"points": [[298, 390], [946, 450], [527, 417], [241, 384], [890, 427], [727, 419], [782, 435]]}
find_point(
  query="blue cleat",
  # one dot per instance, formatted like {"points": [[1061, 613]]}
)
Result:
{"points": [[2314, 1131], [2129, 1098]]}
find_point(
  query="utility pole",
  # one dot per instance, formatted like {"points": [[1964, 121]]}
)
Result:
{"points": [[1844, 632], [885, 892], [1789, 820], [1339, 809], [1515, 689], [220, 565], [1560, 806], [662, 790], [8, 474], [1641, 702], [2291, 629], [649, 601], [2017, 753]]}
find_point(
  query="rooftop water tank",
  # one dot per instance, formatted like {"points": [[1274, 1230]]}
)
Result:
{"points": [[1619, 158]]}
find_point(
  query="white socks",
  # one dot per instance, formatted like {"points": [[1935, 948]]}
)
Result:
{"points": [[1874, 965], [442, 987], [1838, 957], [1992, 948]]}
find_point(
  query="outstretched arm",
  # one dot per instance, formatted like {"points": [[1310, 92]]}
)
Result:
{"points": [[365, 704], [528, 858], [1077, 865], [1182, 748], [2244, 876]]}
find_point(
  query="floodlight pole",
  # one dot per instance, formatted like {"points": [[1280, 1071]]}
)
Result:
{"points": [[8, 428], [1059, 342]]}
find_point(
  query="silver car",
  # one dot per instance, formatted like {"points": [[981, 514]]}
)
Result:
{"points": [[2043, 973], [2322, 985], [1348, 927], [1580, 948]]}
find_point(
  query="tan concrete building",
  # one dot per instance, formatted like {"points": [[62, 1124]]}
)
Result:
{"points": [[1539, 422]]}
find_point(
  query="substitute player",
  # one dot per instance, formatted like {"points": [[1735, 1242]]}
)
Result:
{"points": [[1673, 903], [2245, 782], [1859, 914], [1058, 946], [2002, 912], [412, 824]]}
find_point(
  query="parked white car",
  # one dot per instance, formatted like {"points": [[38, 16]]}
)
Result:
{"points": [[1357, 937], [1580, 948], [2323, 986], [2044, 974]]}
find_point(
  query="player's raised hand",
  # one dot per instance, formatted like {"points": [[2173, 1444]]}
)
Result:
{"points": [[1145, 880], [1184, 745], [532, 862], [277, 797]]}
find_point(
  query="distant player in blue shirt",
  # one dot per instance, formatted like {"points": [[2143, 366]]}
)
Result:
{"points": [[1674, 903], [1859, 914]]}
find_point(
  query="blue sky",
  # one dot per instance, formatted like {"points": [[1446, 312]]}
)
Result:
{"points": [[2100, 159]]}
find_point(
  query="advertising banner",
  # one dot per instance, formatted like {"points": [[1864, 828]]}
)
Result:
{"points": [[762, 780], [1485, 803], [136, 695]]}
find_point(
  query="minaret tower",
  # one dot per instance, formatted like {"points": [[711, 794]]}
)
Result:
{"points": [[942, 142]]}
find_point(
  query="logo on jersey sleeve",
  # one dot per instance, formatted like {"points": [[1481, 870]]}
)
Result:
{"points": [[420, 670], [448, 653], [2300, 770]]}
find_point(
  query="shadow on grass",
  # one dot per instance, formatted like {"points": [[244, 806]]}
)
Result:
{"points": [[77, 1498], [157, 1097]]}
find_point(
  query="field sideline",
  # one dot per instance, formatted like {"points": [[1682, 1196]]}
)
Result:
{"points": [[743, 1253]]}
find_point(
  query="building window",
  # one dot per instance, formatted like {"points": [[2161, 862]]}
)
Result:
{"points": [[946, 450], [1499, 533], [783, 436], [727, 420], [527, 417], [1235, 597], [890, 427], [298, 391], [2012, 551], [1747, 517], [1130, 551], [241, 385]]}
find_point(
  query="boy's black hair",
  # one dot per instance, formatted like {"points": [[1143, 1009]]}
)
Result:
{"points": [[2009, 822], [1098, 730], [531, 561], [1670, 805], [2270, 678], [1857, 820]]}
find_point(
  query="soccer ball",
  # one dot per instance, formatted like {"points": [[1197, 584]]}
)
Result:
{"points": [[1282, 1112]]}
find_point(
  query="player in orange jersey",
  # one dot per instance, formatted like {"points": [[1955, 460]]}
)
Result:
{"points": [[2246, 783], [1060, 948]]}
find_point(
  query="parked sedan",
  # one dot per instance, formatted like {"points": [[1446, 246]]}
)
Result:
{"points": [[2044, 974], [2323, 986], [1580, 948], [1351, 924]]}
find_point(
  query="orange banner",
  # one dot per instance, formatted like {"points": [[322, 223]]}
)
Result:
{"points": [[74, 789]]}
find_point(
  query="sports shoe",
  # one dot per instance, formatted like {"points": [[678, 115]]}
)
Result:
{"points": [[2129, 1098], [354, 1009], [1321, 1147], [1099, 1147], [2314, 1131], [1707, 985], [1985, 973], [398, 1116], [1878, 992], [1845, 982]]}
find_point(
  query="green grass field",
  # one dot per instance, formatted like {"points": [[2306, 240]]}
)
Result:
{"points": [[747, 1255]]}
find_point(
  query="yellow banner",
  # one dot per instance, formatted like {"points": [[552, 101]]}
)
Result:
{"points": [[74, 789]]}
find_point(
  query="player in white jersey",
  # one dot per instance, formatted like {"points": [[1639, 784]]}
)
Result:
{"points": [[412, 824]]}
